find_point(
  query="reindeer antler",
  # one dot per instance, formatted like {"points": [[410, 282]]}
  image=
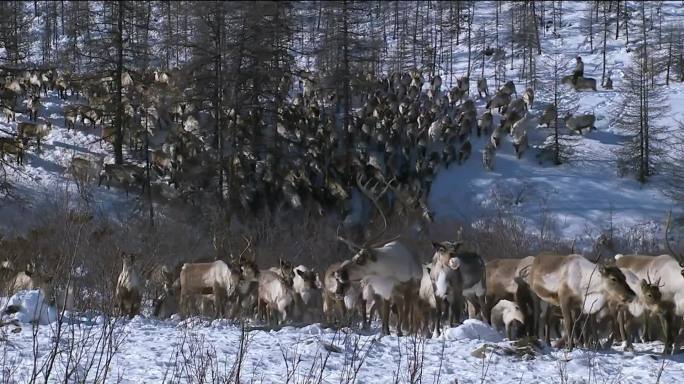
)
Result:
{"points": [[674, 254], [248, 246], [374, 195], [349, 243]]}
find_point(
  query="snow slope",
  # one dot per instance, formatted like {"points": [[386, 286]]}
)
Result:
{"points": [[148, 351], [581, 194]]}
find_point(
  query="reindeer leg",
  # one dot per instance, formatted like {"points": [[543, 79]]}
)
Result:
{"points": [[568, 323], [666, 322], [385, 309], [437, 314], [484, 310]]}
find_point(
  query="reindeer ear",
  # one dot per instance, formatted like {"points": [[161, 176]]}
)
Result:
{"points": [[644, 284], [602, 269], [436, 245], [300, 273]]}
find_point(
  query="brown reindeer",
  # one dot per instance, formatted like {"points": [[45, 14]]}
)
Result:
{"points": [[341, 297], [505, 282], [577, 286], [12, 146], [27, 130], [217, 279]]}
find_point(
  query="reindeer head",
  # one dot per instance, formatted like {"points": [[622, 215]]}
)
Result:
{"points": [[249, 270], [614, 284], [445, 253], [286, 271], [341, 281], [651, 292], [128, 259], [308, 278]]}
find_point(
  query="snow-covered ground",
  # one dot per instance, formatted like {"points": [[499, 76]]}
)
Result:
{"points": [[153, 351], [581, 195]]}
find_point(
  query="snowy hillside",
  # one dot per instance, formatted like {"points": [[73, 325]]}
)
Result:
{"points": [[582, 197]]}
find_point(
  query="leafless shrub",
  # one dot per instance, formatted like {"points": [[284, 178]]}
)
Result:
{"points": [[356, 352]]}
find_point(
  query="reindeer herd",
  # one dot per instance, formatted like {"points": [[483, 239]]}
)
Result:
{"points": [[563, 296], [400, 127]]}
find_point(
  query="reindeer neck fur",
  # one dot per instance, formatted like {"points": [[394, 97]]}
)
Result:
{"points": [[129, 277], [441, 276], [393, 260], [585, 281]]}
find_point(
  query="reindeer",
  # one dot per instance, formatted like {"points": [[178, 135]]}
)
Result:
{"points": [[167, 303], [508, 315], [513, 112], [579, 122], [276, 297], [34, 105], [482, 87], [549, 116], [505, 282], [485, 124], [580, 83], [9, 112], [390, 268], [528, 98], [27, 130], [668, 270], [85, 170], [463, 84], [125, 175], [217, 279], [25, 280], [341, 296], [129, 286], [499, 100], [12, 146], [577, 286], [70, 116], [307, 289], [508, 89], [649, 301], [520, 144], [495, 137], [445, 285]]}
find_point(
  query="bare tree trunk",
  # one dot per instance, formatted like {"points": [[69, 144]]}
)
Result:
{"points": [[591, 29], [470, 28], [617, 21], [347, 74], [669, 58], [148, 185], [118, 138], [218, 65], [605, 37], [536, 26]]}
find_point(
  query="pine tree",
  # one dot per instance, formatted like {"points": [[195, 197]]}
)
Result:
{"points": [[643, 104]]}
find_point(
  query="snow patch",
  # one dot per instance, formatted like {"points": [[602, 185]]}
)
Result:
{"points": [[473, 329]]}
